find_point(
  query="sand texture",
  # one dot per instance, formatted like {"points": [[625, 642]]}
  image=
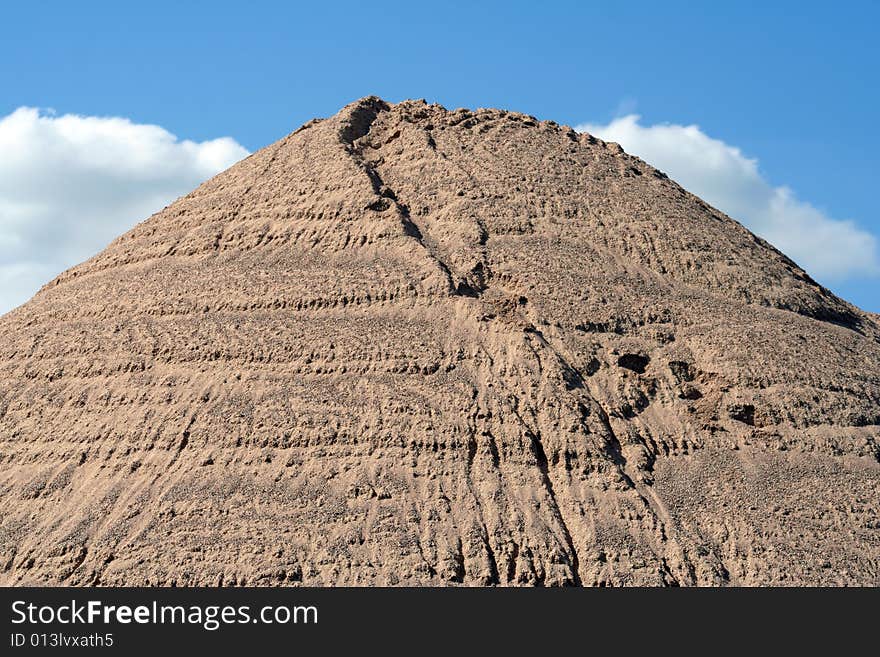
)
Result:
{"points": [[407, 345]]}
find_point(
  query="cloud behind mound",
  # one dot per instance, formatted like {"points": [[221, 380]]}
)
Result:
{"points": [[829, 249], [70, 184]]}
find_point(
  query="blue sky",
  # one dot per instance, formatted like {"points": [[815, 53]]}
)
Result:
{"points": [[792, 85]]}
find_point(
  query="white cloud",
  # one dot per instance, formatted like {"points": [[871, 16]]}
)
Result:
{"points": [[828, 249], [70, 184]]}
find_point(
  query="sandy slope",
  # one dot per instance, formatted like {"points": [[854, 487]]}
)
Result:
{"points": [[412, 346]]}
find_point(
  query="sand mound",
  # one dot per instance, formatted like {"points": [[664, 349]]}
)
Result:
{"points": [[412, 346]]}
